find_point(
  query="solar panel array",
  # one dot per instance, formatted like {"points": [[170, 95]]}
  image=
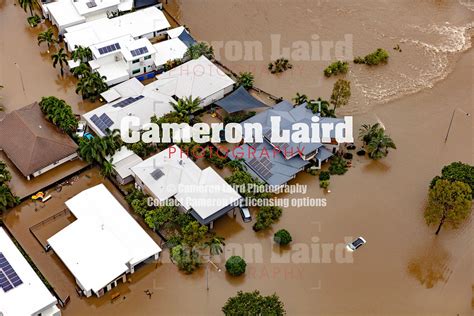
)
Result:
{"points": [[157, 174], [91, 4], [262, 166], [127, 101], [9, 279], [103, 122], [139, 51], [109, 48]]}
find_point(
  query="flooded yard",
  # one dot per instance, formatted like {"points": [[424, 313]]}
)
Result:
{"points": [[403, 269]]}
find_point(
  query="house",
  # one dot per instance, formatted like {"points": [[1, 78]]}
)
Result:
{"points": [[122, 58], [21, 290], [32, 143], [172, 174], [103, 244], [145, 23], [276, 164], [167, 50], [128, 98], [123, 160], [196, 78]]}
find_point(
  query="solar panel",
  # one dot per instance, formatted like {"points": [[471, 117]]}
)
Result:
{"points": [[109, 48], [262, 166], [127, 101], [9, 279], [103, 122], [139, 51], [157, 174]]}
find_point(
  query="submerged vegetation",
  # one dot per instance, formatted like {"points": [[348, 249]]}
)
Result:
{"points": [[375, 58], [280, 65], [376, 142], [336, 68], [245, 79], [253, 303], [199, 49]]}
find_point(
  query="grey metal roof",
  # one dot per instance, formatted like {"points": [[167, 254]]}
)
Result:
{"points": [[239, 100], [186, 38]]}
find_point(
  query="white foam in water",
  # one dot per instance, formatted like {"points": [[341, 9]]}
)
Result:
{"points": [[426, 62]]}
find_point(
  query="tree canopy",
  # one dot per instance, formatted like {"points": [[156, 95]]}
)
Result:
{"points": [[253, 303], [448, 203]]}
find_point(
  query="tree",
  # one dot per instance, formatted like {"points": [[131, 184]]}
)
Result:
{"points": [[253, 303], [379, 145], [83, 54], [7, 199], [266, 216], [245, 79], [457, 171], [107, 169], [341, 93], [60, 57], [300, 98], [282, 237], [235, 265], [375, 58], [59, 113], [376, 141], [161, 216], [82, 70], [187, 260], [279, 65], [47, 37], [186, 106], [90, 86], [199, 49], [28, 5], [215, 245], [448, 203], [194, 234], [336, 68], [236, 165], [5, 175], [322, 107], [338, 165]]}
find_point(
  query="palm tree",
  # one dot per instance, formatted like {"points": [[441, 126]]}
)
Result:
{"points": [[47, 37], [107, 168], [215, 245], [91, 86], [199, 49], [82, 70], [300, 98], [83, 54], [185, 106], [379, 145], [245, 79], [60, 57], [28, 4], [367, 132]]}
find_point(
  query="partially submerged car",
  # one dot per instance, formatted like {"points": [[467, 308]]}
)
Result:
{"points": [[81, 128], [356, 244], [245, 212]]}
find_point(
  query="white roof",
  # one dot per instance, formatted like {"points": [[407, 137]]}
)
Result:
{"points": [[136, 24], [123, 160], [202, 190], [64, 13], [196, 78], [152, 103], [175, 32], [169, 50], [31, 296], [98, 247]]}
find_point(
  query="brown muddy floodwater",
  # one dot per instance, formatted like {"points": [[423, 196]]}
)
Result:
{"points": [[26, 69], [404, 269]]}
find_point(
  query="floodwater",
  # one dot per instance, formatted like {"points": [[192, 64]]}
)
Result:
{"points": [[26, 69], [404, 269]]}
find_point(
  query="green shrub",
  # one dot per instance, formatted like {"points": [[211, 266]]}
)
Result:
{"points": [[324, 184], [338, 165], [213, 158], [279, 65], [336, 68], [266, 216], [235, 265], [282, 237], [375, 58], [324, 175]]}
